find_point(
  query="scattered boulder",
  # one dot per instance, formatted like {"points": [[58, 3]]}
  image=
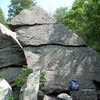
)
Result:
{"points": [[5, 90], [30, 90], [64, 96], [11, 54]]}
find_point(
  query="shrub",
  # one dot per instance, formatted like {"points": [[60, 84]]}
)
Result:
{"points": [[21, 79], [42, 80]]}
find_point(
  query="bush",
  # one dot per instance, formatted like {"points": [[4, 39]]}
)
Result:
{"points": [[42, 80], [21, 79]]}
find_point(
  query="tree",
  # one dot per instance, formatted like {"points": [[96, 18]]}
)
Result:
{"points": [[17, 5], [60, 14], [2, 18], [84, 19]]}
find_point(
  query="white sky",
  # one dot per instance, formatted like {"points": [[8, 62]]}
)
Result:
{"points": [[49, 5]]}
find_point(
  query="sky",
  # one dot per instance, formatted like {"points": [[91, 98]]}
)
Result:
{"points": [[49, 5]]}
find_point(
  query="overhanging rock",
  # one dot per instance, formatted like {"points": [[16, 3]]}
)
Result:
{"points": [[11, 54]]}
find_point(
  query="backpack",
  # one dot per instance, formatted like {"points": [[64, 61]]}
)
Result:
{"points": [[74, 86]]}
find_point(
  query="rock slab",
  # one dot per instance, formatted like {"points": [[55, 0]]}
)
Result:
{"points": [[11, 52], [31, 87]]}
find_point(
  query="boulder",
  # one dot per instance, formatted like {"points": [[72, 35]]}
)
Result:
{"points": [[10, 74], [11, 52], [48, 34], [86, 94], [31, 16], [31, 56], [64, 96], [12, 56], [5, 90], [60, 53], [30, 90], [62, 64]]}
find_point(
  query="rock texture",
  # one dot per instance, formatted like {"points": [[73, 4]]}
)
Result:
{"points": [[5, 90], [11, 53], [35, 15], [86, 94], [62, 64], [57, 50], [31, 87], [10, 73], [48, 34]]}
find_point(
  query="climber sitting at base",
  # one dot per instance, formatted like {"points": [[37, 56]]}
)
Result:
{"points": [[73, 85]]}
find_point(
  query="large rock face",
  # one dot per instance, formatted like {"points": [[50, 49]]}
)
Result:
{"points": [[62, 64], [11, 53], [57, 50]]}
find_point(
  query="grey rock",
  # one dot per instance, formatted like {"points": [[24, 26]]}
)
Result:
{"points": [[34, 15], [5, 90], [11, 52], [86, 94], [64, 96], [10, 74], [31, 56], [60, 53], [61, 64], [48, 34], [30, 90]]}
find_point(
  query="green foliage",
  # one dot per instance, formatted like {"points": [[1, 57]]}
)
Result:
{"points": [[2, 18], [84, 19], [60, 14], [18, 5], [1, 78], [11, 98], [42, 80], [21, 79]]}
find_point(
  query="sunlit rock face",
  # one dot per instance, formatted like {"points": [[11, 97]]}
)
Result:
{"points": [[59, 52]]}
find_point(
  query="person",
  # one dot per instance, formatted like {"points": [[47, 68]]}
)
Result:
{"points": [[73, 85]]}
